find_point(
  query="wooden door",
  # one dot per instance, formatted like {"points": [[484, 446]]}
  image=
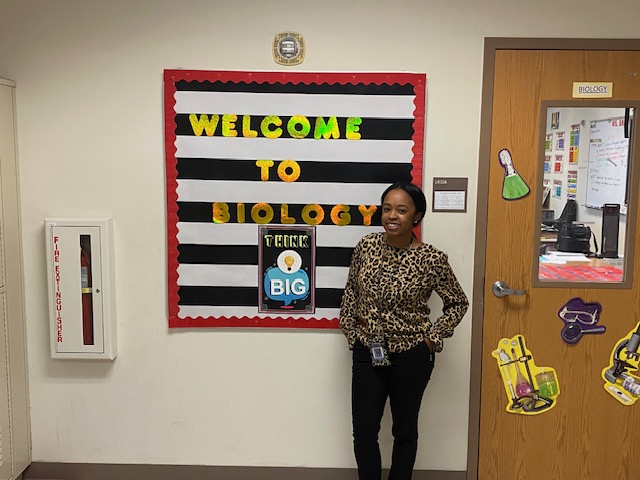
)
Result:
{"points": [[587, 434]]}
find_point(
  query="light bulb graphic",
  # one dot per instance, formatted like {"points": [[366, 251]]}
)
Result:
{"points": [[289, 261]]}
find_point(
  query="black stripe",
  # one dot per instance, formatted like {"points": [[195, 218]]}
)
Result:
{"points": [[314, 88], [248, 255], [323, 172], [246, 296], [333, 256], [203, 212], [369, 128], [328, 297], [218, 296], [217, 254]]}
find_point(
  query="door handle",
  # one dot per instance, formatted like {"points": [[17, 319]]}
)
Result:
{"points": [[501, 289]]}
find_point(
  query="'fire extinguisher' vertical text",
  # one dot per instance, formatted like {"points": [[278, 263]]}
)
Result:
{"points": [[58, 293]]}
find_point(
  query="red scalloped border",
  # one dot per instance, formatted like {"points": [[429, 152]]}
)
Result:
{"points": [[418, 80]]}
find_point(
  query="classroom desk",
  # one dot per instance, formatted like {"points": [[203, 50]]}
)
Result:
{"points": [[574, 267], [548, 238]]}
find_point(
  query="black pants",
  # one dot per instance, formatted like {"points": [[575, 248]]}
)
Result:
{"points": [[403, 383]]}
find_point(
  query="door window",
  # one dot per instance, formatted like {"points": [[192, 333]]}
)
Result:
{"points": [[587, 179]]}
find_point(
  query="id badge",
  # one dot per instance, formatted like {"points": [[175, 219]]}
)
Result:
{"points": [[379, 355]]}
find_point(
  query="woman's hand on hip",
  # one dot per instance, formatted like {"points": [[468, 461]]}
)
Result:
{"points": [[430, 344]]}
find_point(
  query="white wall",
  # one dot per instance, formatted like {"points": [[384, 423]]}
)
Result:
{"points": [[89, 77]]}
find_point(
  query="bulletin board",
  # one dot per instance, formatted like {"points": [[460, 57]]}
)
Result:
{"points": [[271, 180], [608, 163]]}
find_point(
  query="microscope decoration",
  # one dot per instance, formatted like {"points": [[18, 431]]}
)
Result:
{"points": [[579, 318], [530, 389], [625, 358]]}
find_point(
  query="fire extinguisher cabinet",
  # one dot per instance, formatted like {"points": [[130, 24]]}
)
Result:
{"points": [[81, 288]]}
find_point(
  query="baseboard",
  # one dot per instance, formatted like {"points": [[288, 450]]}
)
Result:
{"points": [[108, 471]]}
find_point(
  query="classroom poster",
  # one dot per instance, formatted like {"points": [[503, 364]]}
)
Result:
{"points": [[572, 184], [557, 164], [560, 141], [272, 178], [574, 143], [573, 155], [557, 188], [547, 164], [286, 260], [548, 142]]}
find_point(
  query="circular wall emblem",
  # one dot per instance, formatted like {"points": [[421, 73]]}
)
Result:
{"points": [[288, 48]]}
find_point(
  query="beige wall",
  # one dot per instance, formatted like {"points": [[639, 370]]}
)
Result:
{"points": [[89, 95]]}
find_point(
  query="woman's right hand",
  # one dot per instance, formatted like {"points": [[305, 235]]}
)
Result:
{"points": [[430, 344]]}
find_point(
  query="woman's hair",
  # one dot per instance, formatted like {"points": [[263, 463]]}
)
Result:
{"points": [[414, 192]]}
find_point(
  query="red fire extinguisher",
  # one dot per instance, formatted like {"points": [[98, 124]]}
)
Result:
{"points": [[87, 296]]}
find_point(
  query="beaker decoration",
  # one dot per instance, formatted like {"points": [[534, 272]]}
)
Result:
{"points": [[513, 186], [530, 389]]}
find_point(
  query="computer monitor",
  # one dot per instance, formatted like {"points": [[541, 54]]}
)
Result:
{"points": [[568, 216], [610, 230]]}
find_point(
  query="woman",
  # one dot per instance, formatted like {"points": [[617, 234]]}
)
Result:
{"points": [[385, 317]]}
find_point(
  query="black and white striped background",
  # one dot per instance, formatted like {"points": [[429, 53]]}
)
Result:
{"points": [[213, 267]]}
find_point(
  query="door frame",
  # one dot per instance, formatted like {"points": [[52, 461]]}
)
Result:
{"points": [[491, 45]]}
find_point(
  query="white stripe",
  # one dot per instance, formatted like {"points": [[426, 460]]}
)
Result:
{"points": [[348, 236], [289, 104], [199, 275], [247, 234], [280, 192], [218, 275], [305, 149], [331, 277], [206, 311]]}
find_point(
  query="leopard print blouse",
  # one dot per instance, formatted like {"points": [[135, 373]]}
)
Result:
{"points": [[387, 292]]}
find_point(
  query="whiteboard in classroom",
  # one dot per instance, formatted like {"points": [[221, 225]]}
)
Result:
{"points": [[608, 163]]}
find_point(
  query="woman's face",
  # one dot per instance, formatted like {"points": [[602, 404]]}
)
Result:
{"points": [[399, 213]]}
